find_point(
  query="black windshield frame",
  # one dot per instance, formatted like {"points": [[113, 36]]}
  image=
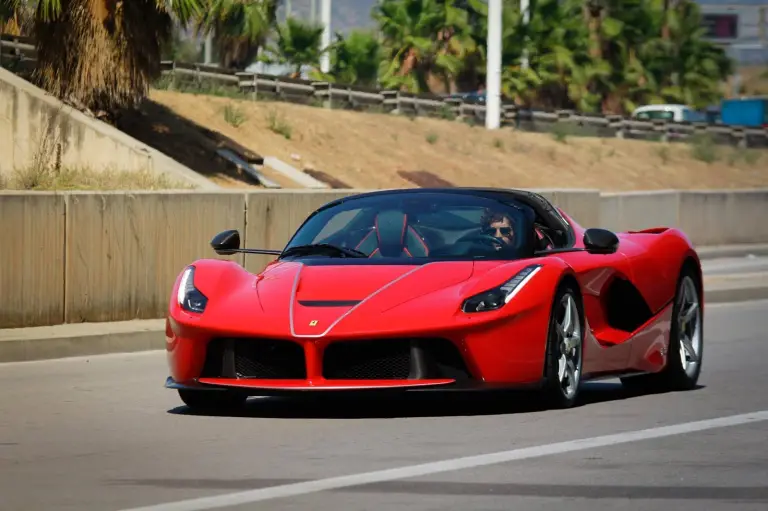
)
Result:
{"points": [[432, 204]]}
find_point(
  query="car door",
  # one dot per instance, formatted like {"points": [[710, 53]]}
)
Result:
{"points": [[605, 347]]}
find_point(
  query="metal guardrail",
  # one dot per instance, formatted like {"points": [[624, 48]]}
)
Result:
{"points": [[332, 95], [564, 122]]}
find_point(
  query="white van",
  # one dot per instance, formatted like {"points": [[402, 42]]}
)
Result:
{"points": [[670, 113]]}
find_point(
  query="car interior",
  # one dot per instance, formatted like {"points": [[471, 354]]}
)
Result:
{"points": [[420, 229]]}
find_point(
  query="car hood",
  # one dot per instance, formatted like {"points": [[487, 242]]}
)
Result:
{"points": [[314, 297], [293, 299]]}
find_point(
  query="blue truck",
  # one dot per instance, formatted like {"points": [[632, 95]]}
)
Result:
{"points": [[752, 112]]}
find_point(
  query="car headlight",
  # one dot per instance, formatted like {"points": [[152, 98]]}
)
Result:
{"points": [[188, 296], [497, 297]]}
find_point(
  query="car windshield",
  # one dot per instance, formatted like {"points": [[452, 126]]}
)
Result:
{"points": [[426, 226]]}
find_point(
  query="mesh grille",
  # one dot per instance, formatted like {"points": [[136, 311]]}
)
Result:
{"points": [[254, 358], [368, 360], [269, 359]]}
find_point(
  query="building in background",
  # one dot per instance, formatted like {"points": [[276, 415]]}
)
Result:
{"points": [[740, 26]]}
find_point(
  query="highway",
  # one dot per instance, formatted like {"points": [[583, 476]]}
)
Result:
{"points": [[101, 433]]}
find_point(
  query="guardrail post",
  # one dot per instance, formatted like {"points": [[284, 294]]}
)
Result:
{"points": [[509, 114], [322, 90], [660, 126], [172, 85], [617, 122], [390, 104], [453, 105]]}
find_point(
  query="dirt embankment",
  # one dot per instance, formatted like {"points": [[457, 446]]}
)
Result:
{"points": [[367, 150]]}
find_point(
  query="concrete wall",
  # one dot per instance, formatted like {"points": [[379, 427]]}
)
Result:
{"points": [[110, 256], [717, 217], [33, 123]]}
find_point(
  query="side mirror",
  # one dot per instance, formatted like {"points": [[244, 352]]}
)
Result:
{"points": [[600, 241], [226, 242]]}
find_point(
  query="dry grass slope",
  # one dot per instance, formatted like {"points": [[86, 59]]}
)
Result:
{"points": [[368, 150]]}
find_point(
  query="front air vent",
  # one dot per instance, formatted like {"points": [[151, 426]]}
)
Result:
{"points": [[257, 358], [393, 359]]}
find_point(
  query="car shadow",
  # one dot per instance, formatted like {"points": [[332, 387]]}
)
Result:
{"points": [[422, 404]]}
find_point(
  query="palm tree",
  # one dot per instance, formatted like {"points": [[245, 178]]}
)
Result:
{"points": [[102, 54], [422, 39], [298, 44], [355, 59], [15, 17], [240, 28]]}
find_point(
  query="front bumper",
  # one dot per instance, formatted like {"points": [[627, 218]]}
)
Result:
{"points": [[299, 387]]}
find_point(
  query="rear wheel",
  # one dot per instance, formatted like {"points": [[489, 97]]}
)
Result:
{"points": [[211, 401], [686, 342], [565, 349]]}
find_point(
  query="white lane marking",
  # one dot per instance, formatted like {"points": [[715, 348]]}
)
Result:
{"points": [[295, 489]]}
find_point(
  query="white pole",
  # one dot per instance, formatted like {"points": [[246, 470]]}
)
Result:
{"points": [[525, 9], [325, 59], [493, 67], [209, 48]]}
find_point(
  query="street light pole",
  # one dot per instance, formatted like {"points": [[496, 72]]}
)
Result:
{"points": [[325, 58], [493, 67], [209, 49], [525, 9]]}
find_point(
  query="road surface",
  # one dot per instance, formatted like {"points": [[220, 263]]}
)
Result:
{"points": [[103, 434]]}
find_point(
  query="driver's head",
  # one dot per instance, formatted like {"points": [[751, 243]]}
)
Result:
{"points": [[499, 226]]}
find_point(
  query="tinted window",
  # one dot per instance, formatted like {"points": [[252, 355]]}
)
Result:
{"points": [[426, 226], [656, 114]]}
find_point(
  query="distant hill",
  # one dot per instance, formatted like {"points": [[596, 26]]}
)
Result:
{"points": [[346, 15]]}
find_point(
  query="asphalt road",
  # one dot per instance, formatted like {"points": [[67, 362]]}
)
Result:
{"points": [[102, 434]]}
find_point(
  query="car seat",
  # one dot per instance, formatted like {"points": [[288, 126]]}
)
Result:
{"points": [[393, 237]]}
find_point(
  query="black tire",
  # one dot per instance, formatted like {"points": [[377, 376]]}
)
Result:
{"points": [[211, 401], [674, 376], [556, 396]]}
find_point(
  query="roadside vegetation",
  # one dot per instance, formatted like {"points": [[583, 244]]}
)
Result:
{"points": [[589, 55], [33, 178]]}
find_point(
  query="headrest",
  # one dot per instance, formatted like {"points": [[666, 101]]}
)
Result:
{"points": [[390, 231]]}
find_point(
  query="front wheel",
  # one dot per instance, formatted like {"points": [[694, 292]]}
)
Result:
{"points": [[211, 401], [565, 348], [686, 342]]}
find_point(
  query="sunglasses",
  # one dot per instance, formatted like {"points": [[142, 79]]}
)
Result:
{"points": [[498, 231]]}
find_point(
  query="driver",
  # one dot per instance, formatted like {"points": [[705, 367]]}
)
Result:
{"points": [[498, 225]]}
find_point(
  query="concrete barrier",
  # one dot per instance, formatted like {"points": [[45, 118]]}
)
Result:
{"points": [[73, 257], [124, 250], [32, 241], [712, 217], [36, 125], [639, 210]]}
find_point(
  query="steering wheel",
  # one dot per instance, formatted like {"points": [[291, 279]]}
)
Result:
{"points": [[483, 239]]}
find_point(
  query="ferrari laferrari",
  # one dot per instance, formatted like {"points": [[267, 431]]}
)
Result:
{"points": [[436, 290]]}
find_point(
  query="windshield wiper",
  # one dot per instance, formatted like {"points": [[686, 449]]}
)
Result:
{"points": [[322, 247]]}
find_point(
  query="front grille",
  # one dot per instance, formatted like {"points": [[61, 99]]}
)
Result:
{"points": [[393, 359], [268, 359], [367, 360]]}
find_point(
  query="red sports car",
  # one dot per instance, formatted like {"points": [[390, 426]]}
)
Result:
{"points": [[430, 289]]}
